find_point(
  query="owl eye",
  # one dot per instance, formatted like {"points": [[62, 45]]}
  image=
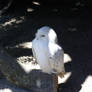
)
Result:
{"points": [[42, 35]]}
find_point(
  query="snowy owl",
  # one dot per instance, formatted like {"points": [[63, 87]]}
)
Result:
{"points": [[48, 54]]}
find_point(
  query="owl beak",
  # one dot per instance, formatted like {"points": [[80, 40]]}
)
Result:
{"points": [[37, 38], [36, 35]]}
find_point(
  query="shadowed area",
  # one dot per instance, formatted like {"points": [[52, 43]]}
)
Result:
{"points": [[72, 24]]}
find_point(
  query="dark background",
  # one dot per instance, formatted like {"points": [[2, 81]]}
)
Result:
{"points": [[72, 21]]}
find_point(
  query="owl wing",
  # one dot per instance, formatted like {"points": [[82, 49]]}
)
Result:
{"points": [[57, 62]]}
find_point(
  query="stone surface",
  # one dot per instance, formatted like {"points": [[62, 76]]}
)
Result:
{"points": [[5, 86], [34, 80]]}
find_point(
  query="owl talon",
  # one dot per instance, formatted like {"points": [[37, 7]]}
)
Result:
{"points": [[61, 75]]}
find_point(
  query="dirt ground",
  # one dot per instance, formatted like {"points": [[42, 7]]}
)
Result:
{"points": [[19, 24]]}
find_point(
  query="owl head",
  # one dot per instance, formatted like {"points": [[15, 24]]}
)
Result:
{"points": [[46, 33]]}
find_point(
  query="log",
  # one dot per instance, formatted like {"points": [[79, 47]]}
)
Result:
{"points": [[36, 80]]}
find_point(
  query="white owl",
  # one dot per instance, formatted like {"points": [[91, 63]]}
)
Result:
{"points": [[48, 54]]}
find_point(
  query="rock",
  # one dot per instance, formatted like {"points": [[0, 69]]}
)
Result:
{"points": [[13, 71], [5, 86], [34, 80]]}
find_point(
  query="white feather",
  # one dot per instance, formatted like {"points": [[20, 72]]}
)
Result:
{"points": [[48, 53]]}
